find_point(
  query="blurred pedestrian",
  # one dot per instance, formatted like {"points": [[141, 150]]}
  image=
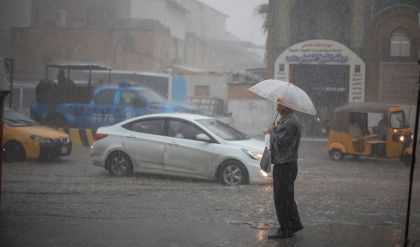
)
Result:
{"points": [[284, 140], [382, 127]]}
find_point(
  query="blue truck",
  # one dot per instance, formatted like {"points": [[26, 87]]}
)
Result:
{"points": [[65, 104]]}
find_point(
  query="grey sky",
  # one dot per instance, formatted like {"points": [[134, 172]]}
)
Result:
{"points": [[242, 21]]}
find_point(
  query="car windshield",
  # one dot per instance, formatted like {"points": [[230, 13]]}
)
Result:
{"points": [[17, 119], [223, 130], [398, 120], [152, 96]]}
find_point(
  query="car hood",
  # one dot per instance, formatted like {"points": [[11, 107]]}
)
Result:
{"points": [[42, 131], [250, 144]]}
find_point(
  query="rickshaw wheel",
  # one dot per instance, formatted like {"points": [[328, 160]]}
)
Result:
{"points": [[406, 159], [336, 155]]}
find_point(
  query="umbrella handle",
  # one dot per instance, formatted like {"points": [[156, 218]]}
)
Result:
{"points": [[274, 122]]}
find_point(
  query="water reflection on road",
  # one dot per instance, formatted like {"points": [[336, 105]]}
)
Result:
{"points": [[366, 197]]}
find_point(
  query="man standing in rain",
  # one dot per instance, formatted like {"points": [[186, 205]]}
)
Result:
{"points": [[285, 139]]}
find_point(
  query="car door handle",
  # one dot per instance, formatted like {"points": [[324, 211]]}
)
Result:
{"points": [[173, 144], [131, 137]]}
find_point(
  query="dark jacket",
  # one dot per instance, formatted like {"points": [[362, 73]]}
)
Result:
{"points": [[285, 140]]}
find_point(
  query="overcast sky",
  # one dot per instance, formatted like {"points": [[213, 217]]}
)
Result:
{"points": [[242, 21]]}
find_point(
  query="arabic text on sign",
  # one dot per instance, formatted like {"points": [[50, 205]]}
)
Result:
{"points": [[317, 57]]}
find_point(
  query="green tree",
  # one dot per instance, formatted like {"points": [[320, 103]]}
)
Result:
{"points": [[262, 10]]}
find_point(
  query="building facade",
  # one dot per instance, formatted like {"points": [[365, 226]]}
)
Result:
{"points": [[141, 35], [344, 52]]}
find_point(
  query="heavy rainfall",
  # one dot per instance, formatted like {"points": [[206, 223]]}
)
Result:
{"points": [[182, 122]]}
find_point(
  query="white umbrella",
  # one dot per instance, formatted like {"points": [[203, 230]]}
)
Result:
{"points": [[289, 95]]}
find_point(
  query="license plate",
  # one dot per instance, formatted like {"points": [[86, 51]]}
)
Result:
{"points": [[64, 150]]}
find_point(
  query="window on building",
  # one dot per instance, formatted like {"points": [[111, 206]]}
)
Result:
{"points": [[202, 91], [400, 44]]}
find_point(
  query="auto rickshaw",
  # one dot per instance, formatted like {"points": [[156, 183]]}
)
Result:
{"points": [[354, 131]]}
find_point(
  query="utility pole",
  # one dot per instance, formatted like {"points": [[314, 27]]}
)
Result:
{"points": [[7, 63], [413, 162]]}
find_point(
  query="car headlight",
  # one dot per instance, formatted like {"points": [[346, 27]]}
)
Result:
{"points": [[40, 139], [402, 138], [253, 155], [65, 140]]}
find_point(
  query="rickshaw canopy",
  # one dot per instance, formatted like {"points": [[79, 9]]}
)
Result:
{"points": [[341, 116]]}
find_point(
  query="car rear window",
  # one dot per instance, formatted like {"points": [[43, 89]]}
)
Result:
{"points": [[149, 126], [223, 130]]}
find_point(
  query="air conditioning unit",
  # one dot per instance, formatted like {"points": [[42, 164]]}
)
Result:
{"points": [[60, 18]]}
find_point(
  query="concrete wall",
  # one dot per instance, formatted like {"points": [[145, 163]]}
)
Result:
{"points": [[218, 87], [128, 49], [250, 113], [15, 13], [251, 116]]}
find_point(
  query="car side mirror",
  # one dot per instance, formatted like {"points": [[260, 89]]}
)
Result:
{"points": [[138, 103], [203, 137]]}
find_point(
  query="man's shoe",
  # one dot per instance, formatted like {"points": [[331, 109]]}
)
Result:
{"points": [[296, 228], [281, 235]]}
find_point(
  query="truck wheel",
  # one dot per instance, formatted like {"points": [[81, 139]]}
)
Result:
{"points": [[14, 152], [336, 155]]}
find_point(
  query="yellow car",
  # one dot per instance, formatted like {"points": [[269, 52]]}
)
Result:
{"points": [[24, 138]]}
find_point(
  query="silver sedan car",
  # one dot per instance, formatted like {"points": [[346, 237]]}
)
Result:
{"points": [[180, 144]]}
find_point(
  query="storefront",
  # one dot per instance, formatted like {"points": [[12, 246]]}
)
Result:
{"points": [[328, 71]]}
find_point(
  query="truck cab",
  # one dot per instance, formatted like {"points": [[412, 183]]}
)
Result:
{"points": [[112, 104]]}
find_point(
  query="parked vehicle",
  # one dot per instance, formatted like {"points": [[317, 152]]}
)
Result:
{"points": [[356, 130], [179, 144], [24, 138], [65, 104]]}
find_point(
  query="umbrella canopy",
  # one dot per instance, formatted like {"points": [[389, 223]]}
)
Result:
{"points": [[289, 95]]}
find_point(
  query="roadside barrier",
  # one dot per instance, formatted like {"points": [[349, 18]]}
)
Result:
{"points": [[80, 137]]}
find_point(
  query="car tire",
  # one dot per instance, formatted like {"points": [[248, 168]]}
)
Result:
{"points": [[233, 173], [336, 155], [14, 152], [119, 164]]}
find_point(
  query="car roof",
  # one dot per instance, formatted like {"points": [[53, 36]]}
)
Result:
{"points": [[186, 116]]}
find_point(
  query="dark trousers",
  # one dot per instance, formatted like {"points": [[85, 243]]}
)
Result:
{"points": [[284, 176]]}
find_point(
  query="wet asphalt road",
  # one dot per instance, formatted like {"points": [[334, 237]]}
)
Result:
{"points": [[73, 203]]}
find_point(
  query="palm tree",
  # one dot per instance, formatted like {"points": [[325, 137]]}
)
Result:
{"points": [[262, 10]]}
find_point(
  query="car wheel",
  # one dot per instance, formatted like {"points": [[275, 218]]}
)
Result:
{"points": [[14, 152], [232, 173], [119, 164], [336, 155]]}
